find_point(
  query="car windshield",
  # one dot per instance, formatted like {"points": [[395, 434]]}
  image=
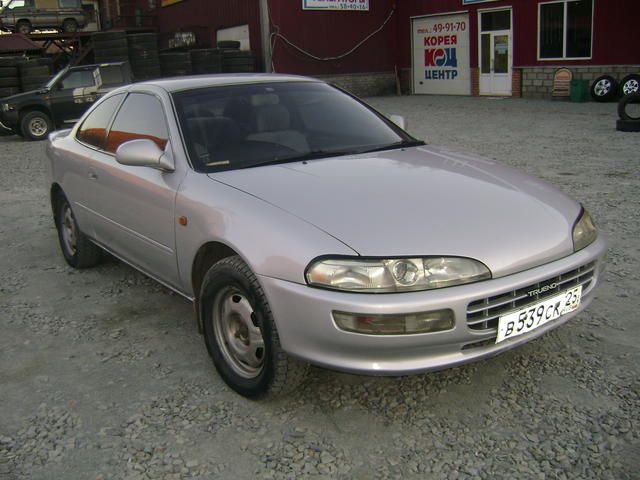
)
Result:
{"points": [[251, 125], [49, 85]]}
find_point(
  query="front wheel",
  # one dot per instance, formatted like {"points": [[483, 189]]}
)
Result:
{"points": [[69, 26], [36, 125], [23, 27], [241, 335], [77, 249]]}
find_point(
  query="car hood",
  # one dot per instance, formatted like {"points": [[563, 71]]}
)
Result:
{"points": [[19, 97], [422, 201]]}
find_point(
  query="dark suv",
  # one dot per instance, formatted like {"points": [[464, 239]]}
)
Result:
{"points": [[62, 100]]}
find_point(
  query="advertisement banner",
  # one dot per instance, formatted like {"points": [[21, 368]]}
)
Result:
{"points": [[441, 55], [362, 5]]}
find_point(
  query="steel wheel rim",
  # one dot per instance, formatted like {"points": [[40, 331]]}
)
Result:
{"points": [[239, 339], [603, 87], [37, 127], [69, 234], [632, 86]]}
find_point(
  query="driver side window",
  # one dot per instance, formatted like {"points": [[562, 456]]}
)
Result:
{"points": [[80, 79]]}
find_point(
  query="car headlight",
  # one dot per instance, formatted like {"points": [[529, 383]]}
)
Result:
{"points": [[584, 231], [394, 275]]}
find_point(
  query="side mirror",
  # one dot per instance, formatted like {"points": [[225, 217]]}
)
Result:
{"points": [[144, 153], [399, 121]]}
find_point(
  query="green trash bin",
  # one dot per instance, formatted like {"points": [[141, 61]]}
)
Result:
{"points": [[579, 90]]}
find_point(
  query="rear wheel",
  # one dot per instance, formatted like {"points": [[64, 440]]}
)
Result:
{"points": [[69, 26], [23, 27], [241, 335], [36, 125], [77, 249]]}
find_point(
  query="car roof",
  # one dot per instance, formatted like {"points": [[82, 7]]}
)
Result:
{"points": [[202, 81]]}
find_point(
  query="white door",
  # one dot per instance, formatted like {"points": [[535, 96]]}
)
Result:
{"points": [[495, 52]]}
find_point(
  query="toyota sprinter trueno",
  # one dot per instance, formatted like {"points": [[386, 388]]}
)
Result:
{"points": [[308, 228]]}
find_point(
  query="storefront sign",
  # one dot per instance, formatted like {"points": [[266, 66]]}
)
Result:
{"points": [[441, 55], [335, 5]]}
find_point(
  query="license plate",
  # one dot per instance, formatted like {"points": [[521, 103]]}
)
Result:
{"points": [[534, 316]]}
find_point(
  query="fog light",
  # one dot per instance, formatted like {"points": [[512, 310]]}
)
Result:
{"points": [[401, 324]]}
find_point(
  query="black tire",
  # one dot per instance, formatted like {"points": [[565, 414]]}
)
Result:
{"points": [[630, 84], [109, 44], [45, 61], [627, 126], [79, 251], [228, 44], [623, 111], [106, 36], [36, 125], [8, 91], [34, 71], [604, 88], [69, 26], [23, 27], [8, 72], [10, 61], [7, 82], [275, 372], [34, 83], [113, 51], [146, 56]]}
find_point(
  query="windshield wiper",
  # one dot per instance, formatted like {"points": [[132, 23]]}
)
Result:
{"points": [[300, 157], [392, 146]]}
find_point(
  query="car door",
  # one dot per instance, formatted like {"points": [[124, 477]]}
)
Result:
{"points": [[92, 133], [135, 206], [73, 95]]}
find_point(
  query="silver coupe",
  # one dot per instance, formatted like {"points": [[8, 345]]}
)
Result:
{"points": [[308, 228]]}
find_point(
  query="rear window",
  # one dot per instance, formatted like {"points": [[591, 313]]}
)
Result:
{"points": [[111, 75]]}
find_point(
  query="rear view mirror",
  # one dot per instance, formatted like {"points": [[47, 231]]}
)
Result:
{"points": [[399, 121], [143, 153]]}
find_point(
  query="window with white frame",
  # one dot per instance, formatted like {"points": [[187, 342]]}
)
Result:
{"points": [[566, 29]]}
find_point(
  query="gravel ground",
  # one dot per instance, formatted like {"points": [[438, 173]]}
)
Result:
{"points": [[103, 374]]}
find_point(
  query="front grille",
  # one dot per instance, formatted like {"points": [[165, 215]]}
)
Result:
{"points": [[482, 315]]}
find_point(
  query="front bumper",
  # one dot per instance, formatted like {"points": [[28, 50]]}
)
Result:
{"points": [[8, 121], [306, 328]]}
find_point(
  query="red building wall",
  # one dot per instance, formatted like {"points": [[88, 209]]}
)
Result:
{"points": [[332, 33], [616, 31], [205, 17]]}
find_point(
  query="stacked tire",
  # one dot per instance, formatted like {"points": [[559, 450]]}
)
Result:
{"points": [[606, 88], [630, 84], [9, 76], [629, 113], [110, 47], [235, 60], [206, 60], [175, 64], [34, 73], [143, 55]]}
